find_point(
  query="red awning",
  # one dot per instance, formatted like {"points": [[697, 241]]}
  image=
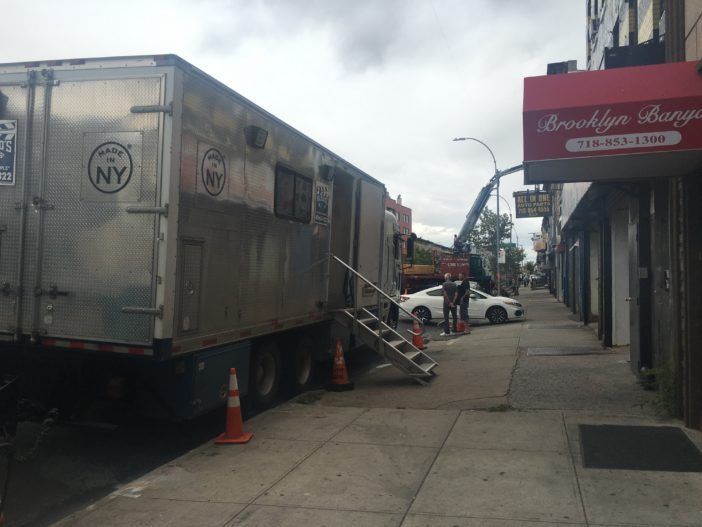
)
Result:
{"points": [[613, 124]]}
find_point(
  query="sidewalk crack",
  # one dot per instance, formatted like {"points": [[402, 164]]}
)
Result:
{"points": [[575, 472], [515, 366], [431, 466], [322, 445]]}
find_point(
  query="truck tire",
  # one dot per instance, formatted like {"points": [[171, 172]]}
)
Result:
{"points": [[264, 375], [302, 365]]}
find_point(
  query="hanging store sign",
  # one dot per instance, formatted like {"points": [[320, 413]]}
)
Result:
{"points": [[539, 245], [532, 204], [613, 124], [8, 147]]}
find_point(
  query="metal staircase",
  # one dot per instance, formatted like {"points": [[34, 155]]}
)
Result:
{"points": [[384, 340]]}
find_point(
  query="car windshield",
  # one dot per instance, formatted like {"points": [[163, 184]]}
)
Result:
{"points": [[480, 294]]}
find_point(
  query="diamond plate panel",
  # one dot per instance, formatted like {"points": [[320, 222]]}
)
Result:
{"points": [[9, 215], [11, 201], [95, 251]]}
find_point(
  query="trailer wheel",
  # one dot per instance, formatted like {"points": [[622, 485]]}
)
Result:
{"points": [[264, 374], [303, 365]]}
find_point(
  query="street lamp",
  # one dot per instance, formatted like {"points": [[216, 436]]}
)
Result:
{"points": [[511, 226], [497, 222]]}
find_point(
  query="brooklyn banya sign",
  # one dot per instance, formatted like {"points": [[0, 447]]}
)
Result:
{"points": [[532, 204], [625, 128]]}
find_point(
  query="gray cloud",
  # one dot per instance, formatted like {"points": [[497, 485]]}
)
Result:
{"points": [[362, 32]]}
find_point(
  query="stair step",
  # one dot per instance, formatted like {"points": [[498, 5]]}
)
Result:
{"points": [[397, 343], [428, 367], [412, 354], [383, 340]]}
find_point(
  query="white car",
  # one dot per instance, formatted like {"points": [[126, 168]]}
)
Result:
{"points": [[428, 305]]}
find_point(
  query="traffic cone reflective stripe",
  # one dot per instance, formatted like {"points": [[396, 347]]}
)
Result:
{"points": [[417, 340], [234, 430], [340, 376]]}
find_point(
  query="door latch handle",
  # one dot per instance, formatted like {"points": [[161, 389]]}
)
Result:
{"points": [[54, 292]]}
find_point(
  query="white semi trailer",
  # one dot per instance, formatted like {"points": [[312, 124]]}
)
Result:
{"points": [[157, 228]]}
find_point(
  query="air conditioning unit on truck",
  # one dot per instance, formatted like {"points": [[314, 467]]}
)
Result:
{"points": [[156, 229]]}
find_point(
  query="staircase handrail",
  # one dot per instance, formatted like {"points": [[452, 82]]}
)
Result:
{"points": [[348, 267]]}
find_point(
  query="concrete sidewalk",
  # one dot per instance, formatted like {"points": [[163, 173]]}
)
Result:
{"points": [[493, 441]]}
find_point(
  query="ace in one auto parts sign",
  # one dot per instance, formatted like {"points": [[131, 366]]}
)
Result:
{"points": [[8, 144]]}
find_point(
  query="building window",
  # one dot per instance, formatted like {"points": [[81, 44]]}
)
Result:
{"points": [[405, 230], [293, 195]]}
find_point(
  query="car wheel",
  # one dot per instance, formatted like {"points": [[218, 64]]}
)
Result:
{"points": [[303, 365], [264, 379], [422, 313], [496, 315]]}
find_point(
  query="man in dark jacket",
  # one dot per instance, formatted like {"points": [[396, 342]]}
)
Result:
{"points": [[463, 294], [450, 296]]}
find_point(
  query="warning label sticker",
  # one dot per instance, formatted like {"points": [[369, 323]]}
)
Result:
{"points": [[322, 197], [8, 144]]}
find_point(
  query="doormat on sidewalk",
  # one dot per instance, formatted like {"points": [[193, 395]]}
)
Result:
{"points": [[568, 350], [555, 326], [659, 448]]}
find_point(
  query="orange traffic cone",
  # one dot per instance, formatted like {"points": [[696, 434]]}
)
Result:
{"points": [[417, 340], [234, 432], [460, 326], [340, 377]]}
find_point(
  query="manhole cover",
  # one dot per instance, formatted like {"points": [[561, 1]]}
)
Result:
{"points": [[661, 448], [567, 350]]}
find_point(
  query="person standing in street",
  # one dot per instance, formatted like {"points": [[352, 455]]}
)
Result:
{"points": [[450, 295], [463, 295]]}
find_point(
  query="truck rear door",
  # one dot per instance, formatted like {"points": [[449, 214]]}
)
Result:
{"points": [[371, 219], [79, 245]]}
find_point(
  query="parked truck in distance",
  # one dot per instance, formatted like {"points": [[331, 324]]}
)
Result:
{"points": [[437, 260], [157, 228]]}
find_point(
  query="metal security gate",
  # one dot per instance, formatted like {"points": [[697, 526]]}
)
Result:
{"points": [[79, 246]]}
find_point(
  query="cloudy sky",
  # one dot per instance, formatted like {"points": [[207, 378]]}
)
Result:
{"points": [[384, 83]]}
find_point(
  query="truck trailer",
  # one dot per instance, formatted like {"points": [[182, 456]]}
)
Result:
{"points": [[417, 277], [157, 229]]}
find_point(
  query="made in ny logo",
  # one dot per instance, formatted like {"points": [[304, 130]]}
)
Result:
{"points": [[110, 167]]}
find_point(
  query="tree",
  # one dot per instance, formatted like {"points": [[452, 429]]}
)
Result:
{"points": [[529, 267], [483, 234], [483, 237], [514, 256]]}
